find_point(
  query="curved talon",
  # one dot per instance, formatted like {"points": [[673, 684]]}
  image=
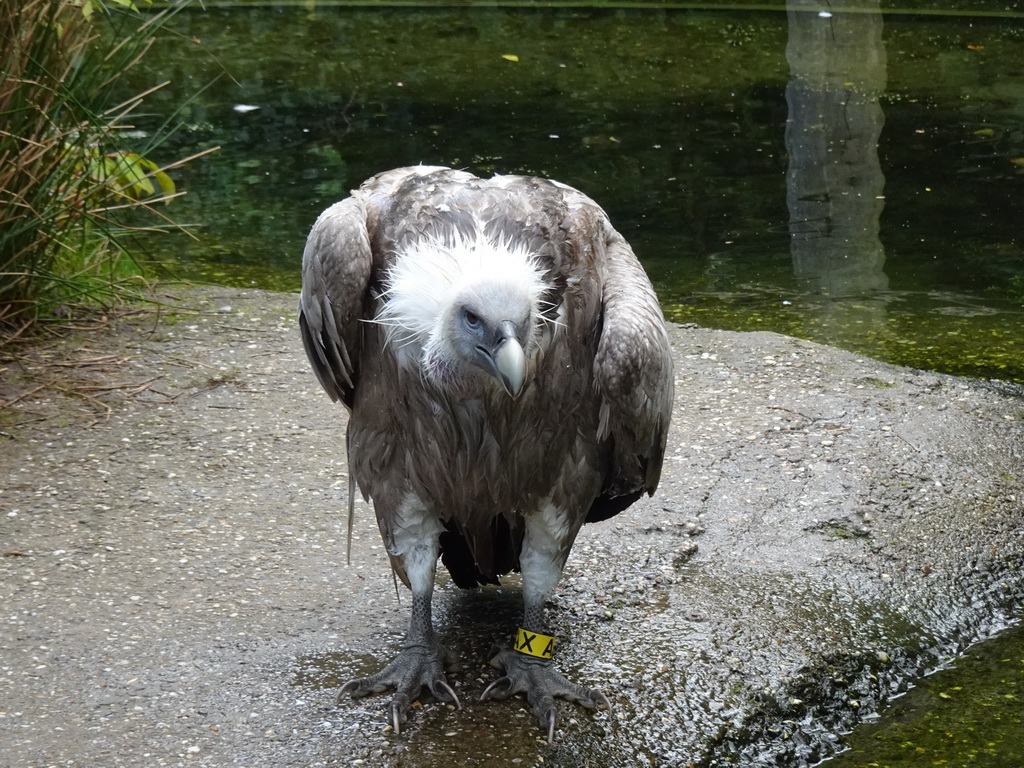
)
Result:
{"points": [[348, 687], [359, 687], [443, 685], [397, 716], [491, 691], [552, 722]]}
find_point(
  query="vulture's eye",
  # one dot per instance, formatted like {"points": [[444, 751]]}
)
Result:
{"points": [[472, 319]]}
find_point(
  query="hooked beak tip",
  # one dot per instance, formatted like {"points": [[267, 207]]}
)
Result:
{"points": [[510, 365]]}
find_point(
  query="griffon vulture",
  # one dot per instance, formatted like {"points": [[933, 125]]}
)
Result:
{"points": [[508, 376]]}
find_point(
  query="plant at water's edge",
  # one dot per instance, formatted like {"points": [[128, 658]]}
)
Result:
{"points": [[68, 182]]}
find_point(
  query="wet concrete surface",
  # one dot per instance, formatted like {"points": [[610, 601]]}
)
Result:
{"points": [[175, 590]]}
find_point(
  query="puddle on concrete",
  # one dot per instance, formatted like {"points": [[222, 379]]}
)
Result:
{"points": [[697, 664], [709, 656], [495, 733]]}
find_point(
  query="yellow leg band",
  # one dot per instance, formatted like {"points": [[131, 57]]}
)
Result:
{"points": [[535, 644]]}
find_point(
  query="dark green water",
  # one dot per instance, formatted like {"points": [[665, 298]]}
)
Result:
{"points": [[971, 714], [854, 179]]}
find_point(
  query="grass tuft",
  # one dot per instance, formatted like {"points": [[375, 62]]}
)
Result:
{"points": [[76, 181]]}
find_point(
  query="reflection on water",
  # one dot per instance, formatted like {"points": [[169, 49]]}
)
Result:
{"points": [[747, 156], [835, 185]]}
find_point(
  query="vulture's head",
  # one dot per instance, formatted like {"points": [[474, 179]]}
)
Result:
{"points": [[466, 312]]}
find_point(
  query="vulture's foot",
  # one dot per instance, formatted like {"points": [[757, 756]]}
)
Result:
{"points": [[541, 683], [415, 668]]}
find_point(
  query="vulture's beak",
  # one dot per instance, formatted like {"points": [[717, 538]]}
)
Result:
{"points": [[509, 359]]}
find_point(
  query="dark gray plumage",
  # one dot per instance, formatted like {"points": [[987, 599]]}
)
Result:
{"points": [[508, 373]]}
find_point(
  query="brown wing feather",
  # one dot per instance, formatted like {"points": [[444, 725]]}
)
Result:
{"points": [[634, 373], [336, 267]]}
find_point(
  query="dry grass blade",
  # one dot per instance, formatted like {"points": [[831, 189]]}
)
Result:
{"points": [[128, 387], [25, 395]]}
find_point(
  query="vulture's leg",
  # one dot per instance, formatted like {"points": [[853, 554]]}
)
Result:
{"points": [[549, 535], [422, 660]]}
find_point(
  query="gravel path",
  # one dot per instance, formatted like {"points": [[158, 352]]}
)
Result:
{"points": [[175, 590]]}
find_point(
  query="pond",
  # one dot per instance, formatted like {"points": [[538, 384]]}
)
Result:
{"points": [[850, 174], [970, 714], [849, 177]]}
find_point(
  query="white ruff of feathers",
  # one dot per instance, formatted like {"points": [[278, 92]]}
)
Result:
{"points": [[427, 279]]}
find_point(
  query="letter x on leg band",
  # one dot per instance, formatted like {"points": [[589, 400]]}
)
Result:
{"points": [[535, 644]]}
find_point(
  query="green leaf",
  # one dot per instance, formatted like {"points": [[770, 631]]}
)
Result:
{"points": [[133, 175]]}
